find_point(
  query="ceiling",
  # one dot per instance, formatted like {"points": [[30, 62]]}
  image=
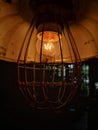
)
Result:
{"points": [[27, 7]]}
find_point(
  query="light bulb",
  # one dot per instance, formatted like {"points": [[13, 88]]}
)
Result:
{"points": [[49, 40], [48, 49], [47, 44]]}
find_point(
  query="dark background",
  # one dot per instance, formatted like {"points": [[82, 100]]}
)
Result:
{"points": [[16, 113]]}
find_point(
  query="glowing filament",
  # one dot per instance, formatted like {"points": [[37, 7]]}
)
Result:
{"points": [[48, 46]]}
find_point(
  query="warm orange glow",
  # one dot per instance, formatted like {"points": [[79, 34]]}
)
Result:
{"points": [[50, 40], [49, 36]]}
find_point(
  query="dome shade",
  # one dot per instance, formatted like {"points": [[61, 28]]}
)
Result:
{"points": [[11, 22]]}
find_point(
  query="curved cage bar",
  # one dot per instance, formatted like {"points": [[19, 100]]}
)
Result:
{"points": [[49, 85]]}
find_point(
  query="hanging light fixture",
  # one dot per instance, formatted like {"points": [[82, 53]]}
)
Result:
{"points": [[48, 52], [51, 78]]}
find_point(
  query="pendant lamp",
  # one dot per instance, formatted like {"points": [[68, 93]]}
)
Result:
{"points": [[48, 40]]}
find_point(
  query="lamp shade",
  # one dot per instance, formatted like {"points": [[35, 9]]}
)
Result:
{"points": [[14, 24]]}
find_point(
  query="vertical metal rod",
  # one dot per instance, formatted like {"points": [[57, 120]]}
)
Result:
{"points": [[73, 44], [20, 52], [41, 44]]}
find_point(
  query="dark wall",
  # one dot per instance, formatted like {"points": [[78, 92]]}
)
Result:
{"points": [[16, 113]]}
